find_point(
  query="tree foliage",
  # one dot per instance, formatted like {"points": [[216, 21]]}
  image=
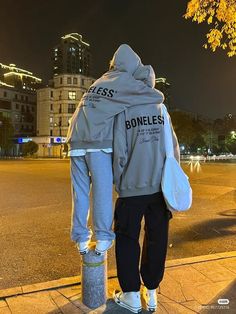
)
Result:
{"points": [[221, 15], [187, 128], [29, 148]]}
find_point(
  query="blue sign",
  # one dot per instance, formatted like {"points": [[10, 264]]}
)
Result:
{"points": [[58, 139], [22, 140]]}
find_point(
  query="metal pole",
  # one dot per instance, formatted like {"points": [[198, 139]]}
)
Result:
{"points": [[94, 278]]}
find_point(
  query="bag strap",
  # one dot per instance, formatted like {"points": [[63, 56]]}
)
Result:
{"points": [[168, 140]]}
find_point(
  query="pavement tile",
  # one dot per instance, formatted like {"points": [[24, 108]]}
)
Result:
{"points": [[161, 309], [193, 305], [69, 292], [51, 284], [185, 289], [164, 299], [10, 292], [191, 260], [5, 310], [205, 293], [76, 300], [64, 304], [39, 302], [229, 293], [229, 263], [3, 303], [187, 275], [176, 308], [214, 271], [170, 287]]}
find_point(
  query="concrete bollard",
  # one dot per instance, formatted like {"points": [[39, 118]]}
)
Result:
{"points": [[94, 278]]}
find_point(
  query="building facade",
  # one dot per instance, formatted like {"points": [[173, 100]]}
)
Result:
{"points": [[55, 106], [20, 108], [72, 56]]}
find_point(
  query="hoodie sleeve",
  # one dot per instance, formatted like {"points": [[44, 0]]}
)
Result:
{"points": [[142, 94], [120, 149], [175, 142]]}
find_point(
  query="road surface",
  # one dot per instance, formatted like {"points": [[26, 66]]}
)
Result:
{"points": [[35, 206]]}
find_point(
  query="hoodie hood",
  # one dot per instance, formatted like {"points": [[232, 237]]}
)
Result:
{"points": [[146, 74], [125, 59]]}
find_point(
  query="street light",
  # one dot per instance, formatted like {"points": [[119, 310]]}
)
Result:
{"points": [[233, 133]]}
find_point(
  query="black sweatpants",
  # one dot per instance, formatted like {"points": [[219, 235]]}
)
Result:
{"points": [[129, 212]]}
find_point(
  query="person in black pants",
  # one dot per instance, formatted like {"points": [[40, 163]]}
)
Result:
{"points": [[129, 212], [138, 160]]}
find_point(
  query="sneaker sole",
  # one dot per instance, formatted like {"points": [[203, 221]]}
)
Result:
{"points": [[97, 252], [151, 309], [84, 252], [126, 306]]}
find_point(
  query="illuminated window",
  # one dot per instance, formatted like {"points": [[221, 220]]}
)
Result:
{"points": [[51, 119], [17, 117], [72, 95]]}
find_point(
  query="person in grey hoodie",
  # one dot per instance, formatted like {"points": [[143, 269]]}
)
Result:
{"points": [[138, 160], [90, 137]]}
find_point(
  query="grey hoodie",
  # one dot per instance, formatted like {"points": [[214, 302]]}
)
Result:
{"points": [[92, 123], [138, 149]]}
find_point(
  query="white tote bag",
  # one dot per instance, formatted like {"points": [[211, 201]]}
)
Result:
{"points": [[175, 184]]}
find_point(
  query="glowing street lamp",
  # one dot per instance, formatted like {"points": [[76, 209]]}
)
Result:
{"points": [[233, 133]]}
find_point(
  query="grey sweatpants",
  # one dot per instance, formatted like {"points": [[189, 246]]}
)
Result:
{"points": [[95, 169]]}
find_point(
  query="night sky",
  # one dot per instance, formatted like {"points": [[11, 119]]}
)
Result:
{"points": [[201, 81]]}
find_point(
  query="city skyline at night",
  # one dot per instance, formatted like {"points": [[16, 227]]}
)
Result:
{"points": [[201, 81]]}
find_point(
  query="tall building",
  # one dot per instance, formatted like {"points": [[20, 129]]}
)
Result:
{"points": [[20, 108], [72, 56], [18, 104], [55, 106], [12, 76]]}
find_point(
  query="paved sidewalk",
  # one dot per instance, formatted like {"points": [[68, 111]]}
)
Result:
{"points": [[190, 285]]}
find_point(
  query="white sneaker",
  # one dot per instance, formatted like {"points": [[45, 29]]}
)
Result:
{"points": [[129, 300], [83, 247], [102, 246], [150, 297]]}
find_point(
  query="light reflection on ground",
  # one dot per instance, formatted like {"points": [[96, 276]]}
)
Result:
{"points": [[195, 166]]}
